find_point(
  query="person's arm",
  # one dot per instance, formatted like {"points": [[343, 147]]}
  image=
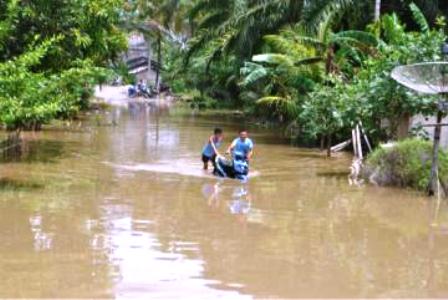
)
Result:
{"points": [[251, 151], [231, 147], [249, 155], [213, 145]]}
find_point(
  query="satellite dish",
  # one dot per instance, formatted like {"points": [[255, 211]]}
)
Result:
{"points": [[426, 78]]}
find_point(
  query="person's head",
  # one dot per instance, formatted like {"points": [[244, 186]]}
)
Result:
{"points": [[243, 134], [218, 132]]}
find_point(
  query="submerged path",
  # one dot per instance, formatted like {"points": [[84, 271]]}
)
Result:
{"points": [[75, 223]]}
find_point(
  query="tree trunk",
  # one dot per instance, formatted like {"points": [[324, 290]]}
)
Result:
{"points": [[159, 62], [322, 142], [329, 61], [329, 138], [403, 126], [377, 10]]}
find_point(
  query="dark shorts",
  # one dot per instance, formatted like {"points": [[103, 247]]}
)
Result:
{"points": [[206, 159]]}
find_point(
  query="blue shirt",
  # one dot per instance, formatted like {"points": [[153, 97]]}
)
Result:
{"points": [[208, 149], [243, 147]]}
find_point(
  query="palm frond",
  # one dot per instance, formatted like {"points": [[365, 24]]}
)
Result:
{"points": [[283, 43], [323, 11], [205, 5], [209, 20], [361, 37], [309, 61], [419, 18], [309, 41], [279, 105], [252, 73]]}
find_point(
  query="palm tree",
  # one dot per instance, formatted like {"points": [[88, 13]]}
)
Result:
{"points": [[297, 51], [159, 20], [238, 26]]}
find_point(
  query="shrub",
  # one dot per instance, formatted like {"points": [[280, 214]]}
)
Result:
{"points": [[406, 164]]}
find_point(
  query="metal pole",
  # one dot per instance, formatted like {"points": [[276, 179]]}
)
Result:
{"points": [[377, 10], [434, 176]]}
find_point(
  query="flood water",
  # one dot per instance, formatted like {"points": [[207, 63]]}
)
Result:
{"points": [[117, 206]]}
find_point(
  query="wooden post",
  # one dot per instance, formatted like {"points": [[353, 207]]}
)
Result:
{"points": [[359, 144], [341, 146], [366, 139], [434, 176], [355, 144]]}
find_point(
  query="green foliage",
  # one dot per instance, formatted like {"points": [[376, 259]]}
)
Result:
{"points": [[378, 96], [419, 18], [203, 102], [121, 70], [328, 110], [283, 107], [406, 164], [29, 99], [310, 63], [88, 30], [50, 53]]}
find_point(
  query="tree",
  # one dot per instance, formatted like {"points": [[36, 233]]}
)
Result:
{"points": [[89, 30], [50, 59], [295, 62], [158, 21], [240, 25], [328, 110]]}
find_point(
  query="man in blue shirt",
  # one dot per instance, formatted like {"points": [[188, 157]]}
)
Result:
{"points": [[242, 145]]}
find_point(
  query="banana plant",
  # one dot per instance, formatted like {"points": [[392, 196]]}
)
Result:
{"points": [[298, 60]]}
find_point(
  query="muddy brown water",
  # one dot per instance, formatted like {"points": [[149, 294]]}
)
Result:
{"points": [[118, 207]]}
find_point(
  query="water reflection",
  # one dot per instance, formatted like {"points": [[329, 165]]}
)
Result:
{"points": [[211, 193], [241, 201], [42, 240], [150, 224], [236, 197]]}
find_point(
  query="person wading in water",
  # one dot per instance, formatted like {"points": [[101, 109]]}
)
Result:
{"points": [[210, 150], [242, 145]]}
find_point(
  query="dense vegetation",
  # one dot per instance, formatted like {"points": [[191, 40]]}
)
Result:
{"points": [[52, 52], [318, 66], [407, 164]]}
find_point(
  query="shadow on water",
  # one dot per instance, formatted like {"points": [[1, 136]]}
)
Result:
{"points": [[306, 154], [8, 184], [334, 174], [43, 151]]}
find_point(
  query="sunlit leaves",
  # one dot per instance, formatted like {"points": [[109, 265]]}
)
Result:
{"points": [[50, 57]]}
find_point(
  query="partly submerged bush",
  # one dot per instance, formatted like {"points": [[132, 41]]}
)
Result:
{"points": [[406, 164]]}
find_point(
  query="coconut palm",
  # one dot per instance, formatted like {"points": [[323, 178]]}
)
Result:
{"points": [[239, 25], [159, 20], [298, 59]]}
